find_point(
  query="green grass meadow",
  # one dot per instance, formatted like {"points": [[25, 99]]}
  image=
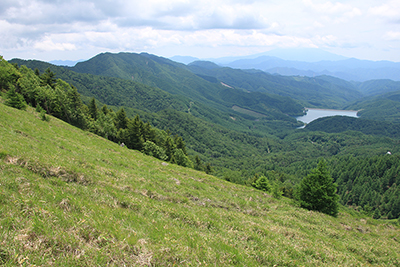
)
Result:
{"points": [[71, 198]]}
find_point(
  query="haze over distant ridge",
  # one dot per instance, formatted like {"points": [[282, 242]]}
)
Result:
{"points": [[309, 62]]}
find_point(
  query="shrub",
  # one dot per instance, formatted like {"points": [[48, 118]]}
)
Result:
{"points": [[43, 116], [151, 149], [182, 159], [262, 183]]}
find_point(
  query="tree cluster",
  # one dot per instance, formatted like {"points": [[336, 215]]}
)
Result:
{"points": [[138, 135], [369, 183]]}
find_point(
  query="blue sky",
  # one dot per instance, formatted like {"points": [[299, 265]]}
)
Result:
{"points": [[72, 30]]}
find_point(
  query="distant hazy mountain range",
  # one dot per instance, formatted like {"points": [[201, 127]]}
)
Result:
{"points": [[348, 69], [309, 62]]}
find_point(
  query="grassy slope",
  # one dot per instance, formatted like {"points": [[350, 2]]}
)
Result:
{"points": [[68, 197]]}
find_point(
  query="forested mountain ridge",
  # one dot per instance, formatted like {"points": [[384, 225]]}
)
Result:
{"points": [[170, 76], [312, 92], [202, 98], [321, 91], [206, 88]]}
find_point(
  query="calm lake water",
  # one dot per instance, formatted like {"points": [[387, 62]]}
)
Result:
{"points": [[314, 113]]}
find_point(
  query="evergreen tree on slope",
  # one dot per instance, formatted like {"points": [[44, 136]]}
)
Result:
{"points": [[318, 191]]}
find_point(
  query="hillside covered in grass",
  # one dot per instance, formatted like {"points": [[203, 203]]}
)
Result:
{"points": [[69, 197]]}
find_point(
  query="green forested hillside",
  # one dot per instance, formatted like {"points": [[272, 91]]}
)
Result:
{"points": [[113, 91], [312, 92], [338, 124], [378, 87], [71, 198], [168, 75], [385, 107]]}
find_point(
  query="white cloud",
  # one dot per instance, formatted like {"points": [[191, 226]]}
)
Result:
{"points": [[327, 6], [329, 12], [35, 12], [389, 10], [48, 45], [392, 36], [232, 25], [354, 12]]}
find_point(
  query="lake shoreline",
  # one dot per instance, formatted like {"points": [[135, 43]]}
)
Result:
{"points": [[350, 110], [312, 114]]}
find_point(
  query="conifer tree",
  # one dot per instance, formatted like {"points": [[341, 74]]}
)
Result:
{"points": [[148, 133], [93, 111], [121, 121], [48, 78], [8, 74], [15, 100], [169, 147], [134, 134], [198, 165], [262, 183], [180, 144], [318, 191], [209, 169], [105, 110]]}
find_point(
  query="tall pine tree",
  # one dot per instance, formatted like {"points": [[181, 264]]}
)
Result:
{"points": [[318, 191], [93, 110], [121, 121]]}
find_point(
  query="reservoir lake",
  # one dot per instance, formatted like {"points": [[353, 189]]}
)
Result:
{"points": [[315, 113]]}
